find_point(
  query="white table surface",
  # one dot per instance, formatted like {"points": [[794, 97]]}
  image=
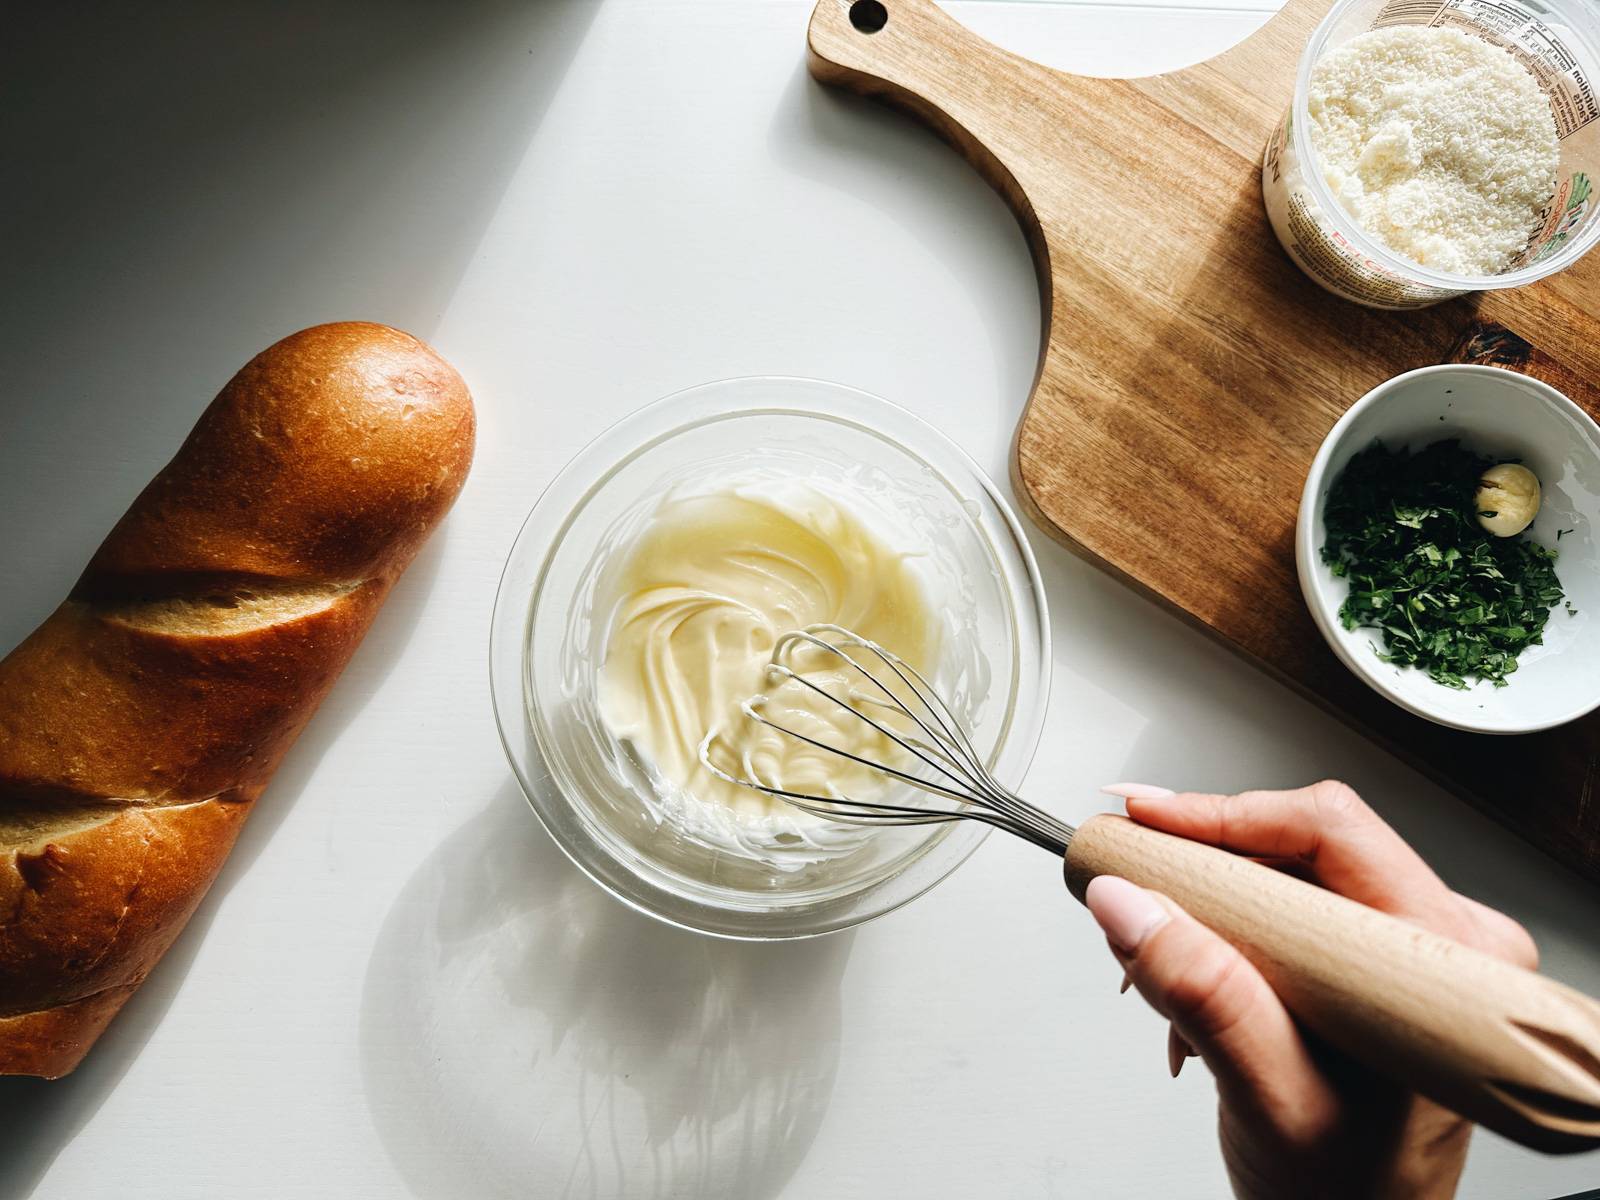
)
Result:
{"points": [[399, 986]]}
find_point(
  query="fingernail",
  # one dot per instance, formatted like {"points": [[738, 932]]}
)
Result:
{"points": [[1138, 791], [1178, 1051], [1127, 982], [1126, 912]]}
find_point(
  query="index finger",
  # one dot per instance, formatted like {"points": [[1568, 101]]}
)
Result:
{"points": [[1344, 845]]}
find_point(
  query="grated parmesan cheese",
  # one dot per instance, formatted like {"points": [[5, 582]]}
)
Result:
{"points": [[1439, 144]]}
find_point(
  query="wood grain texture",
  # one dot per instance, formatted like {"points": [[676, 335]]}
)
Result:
{"points": [[1188, 370], [1514, 1051]]}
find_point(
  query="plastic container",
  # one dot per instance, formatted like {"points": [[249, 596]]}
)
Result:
{"points": [[547, 642], [1558, 40]]}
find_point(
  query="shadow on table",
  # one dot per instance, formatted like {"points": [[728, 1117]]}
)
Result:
{"points": [[897, 167], [358, 147], [191, 182], [524, 1033], [39, 1117]]}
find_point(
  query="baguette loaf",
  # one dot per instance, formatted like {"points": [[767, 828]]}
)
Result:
{"points": [[140, 722]]}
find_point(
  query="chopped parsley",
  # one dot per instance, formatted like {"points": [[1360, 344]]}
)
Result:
{"points": [[1449, 598]]}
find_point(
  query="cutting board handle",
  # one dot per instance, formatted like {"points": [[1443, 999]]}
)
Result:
{"points": [[1515, 1051], [918, 54], [923, 61]]}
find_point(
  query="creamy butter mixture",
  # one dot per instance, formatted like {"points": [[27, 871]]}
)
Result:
{"points": [[700, 598]]}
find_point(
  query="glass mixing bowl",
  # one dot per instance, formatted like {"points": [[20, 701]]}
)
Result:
{"points": [[547, 642]]}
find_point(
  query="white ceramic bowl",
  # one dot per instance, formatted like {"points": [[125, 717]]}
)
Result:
{"points": [[1503, 415]]}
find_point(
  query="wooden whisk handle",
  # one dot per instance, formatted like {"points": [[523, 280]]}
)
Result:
{"points": [[1508, 1048]]}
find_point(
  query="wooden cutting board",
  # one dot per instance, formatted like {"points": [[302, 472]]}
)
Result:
{"points": [[1188, 370]]}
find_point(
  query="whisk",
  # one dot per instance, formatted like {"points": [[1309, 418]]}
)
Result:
{"points": [[915, 718], [1504, 1046]]}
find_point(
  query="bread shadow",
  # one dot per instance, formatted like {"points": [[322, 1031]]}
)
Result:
{"points": [[524, 1033], [40, 1117]]}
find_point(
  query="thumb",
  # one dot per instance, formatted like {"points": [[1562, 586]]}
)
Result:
{"points": [[1216, 1000]]}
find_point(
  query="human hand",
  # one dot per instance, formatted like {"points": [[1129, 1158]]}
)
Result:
{"points": [[1295, 1117]]}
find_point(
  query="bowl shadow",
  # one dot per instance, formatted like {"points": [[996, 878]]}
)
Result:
{"points": [[524, 1032]]}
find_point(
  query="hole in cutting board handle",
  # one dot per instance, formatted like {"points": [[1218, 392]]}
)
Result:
{"points": [[869, 16]]}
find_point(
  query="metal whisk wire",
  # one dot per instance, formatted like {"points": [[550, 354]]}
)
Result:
{"points": [[951, 766]]}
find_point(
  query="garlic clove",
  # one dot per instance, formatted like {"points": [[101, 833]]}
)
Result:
{"points": [[1507, 499]]}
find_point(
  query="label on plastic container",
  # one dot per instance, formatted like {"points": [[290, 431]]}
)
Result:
{"points": [[1534, 44], [1319, 248]]}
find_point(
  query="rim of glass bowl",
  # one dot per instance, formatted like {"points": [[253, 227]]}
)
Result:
{"points": [[587, 474]]}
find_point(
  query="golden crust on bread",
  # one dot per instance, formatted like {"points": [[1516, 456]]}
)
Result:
{"points": [[140, 722]]}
